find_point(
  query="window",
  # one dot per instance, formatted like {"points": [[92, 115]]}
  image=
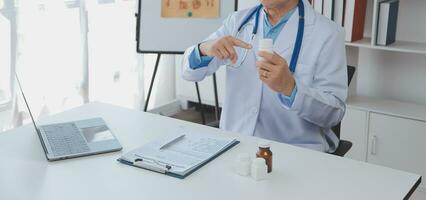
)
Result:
{"points": [[5, 58], [50, 55], [113, 68], [60, 62]]}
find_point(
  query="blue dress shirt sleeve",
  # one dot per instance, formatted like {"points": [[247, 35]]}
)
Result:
{"points": [[197, 61], [288, 100]]}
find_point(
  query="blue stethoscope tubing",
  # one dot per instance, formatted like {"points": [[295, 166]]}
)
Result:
{"points": [[300, 30]]}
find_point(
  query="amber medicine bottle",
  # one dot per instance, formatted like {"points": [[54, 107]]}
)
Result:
{"points": [[265, 153]]}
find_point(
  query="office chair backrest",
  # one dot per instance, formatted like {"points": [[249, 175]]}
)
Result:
{"points": [[351, 72]]}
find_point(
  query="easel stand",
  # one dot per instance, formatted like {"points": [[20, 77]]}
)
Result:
{"points": [[157, 62]]}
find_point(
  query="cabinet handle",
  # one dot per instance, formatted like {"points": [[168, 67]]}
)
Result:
{"points": [[374, 145]]}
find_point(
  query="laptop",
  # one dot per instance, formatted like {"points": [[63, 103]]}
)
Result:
{"points": [[74, 139]]}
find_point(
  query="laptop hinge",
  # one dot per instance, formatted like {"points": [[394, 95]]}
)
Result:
{"points": [[42, 142]]}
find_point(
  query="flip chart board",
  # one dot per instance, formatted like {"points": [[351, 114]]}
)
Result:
{"points": [[171, 26]]}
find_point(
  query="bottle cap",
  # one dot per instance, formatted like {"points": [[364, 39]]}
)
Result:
{"points": [[264, 144], [265, 44]]}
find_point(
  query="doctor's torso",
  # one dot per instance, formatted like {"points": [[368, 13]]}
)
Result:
{"points": [[252, 108]]}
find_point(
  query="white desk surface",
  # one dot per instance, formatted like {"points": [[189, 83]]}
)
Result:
{"points": [[298, 173]]}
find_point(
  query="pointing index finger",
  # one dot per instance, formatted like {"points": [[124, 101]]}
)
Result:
{"points": [[240, 43]]}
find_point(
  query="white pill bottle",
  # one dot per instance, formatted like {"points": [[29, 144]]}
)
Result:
{"points": [[265, 44]]}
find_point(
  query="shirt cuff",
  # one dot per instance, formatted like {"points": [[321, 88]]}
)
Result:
{"points": [[197, 61], [288, 100]]}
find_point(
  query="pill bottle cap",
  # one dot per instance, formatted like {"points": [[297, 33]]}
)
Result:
{"points": [[264, 144], [265, 44]]}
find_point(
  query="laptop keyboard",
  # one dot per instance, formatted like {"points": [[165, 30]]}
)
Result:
{"points": [[65, 139]]}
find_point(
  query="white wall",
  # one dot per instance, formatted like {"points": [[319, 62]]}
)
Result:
{"points": [[5, 58], [164, 90], [243, 4], [391, 75]]}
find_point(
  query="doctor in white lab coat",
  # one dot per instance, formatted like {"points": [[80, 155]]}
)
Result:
{"points": [[264, 98]]}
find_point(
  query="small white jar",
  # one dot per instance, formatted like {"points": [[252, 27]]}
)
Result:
{"points": [[259, 170], [265, 44], [242, 166]]}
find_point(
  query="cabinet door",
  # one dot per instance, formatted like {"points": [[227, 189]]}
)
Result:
{"points": [[398, 143], [354, 129]]}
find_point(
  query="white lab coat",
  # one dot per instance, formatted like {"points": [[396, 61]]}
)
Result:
{"points": [[252, 108]]}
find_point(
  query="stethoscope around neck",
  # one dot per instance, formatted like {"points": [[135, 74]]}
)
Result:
{"points": [[256, 14]]}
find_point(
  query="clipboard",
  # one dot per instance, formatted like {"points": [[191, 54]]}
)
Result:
{"points": [[136, 161]]}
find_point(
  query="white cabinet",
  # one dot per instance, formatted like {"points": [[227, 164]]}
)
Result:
{"points": [[398, 143], [354, 129], [388, 133]]}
